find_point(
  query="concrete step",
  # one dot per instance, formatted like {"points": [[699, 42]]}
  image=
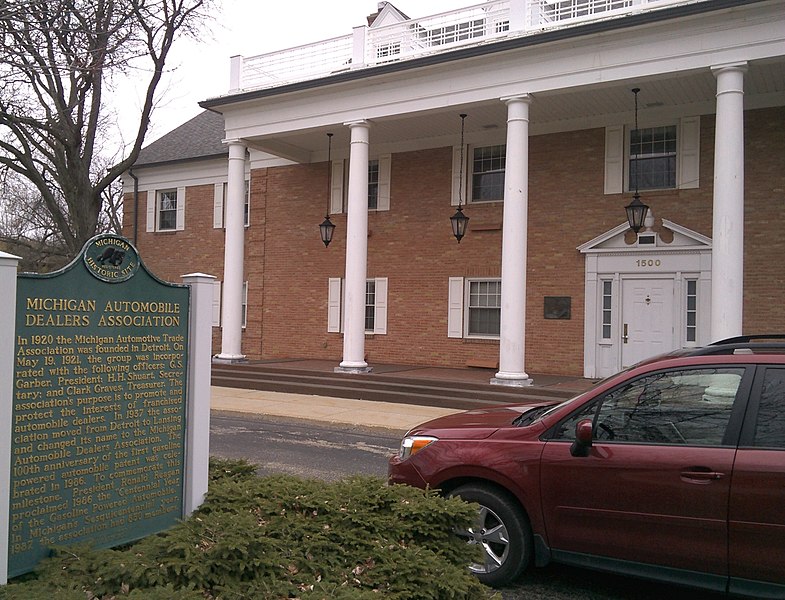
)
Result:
{"points": [[379, 387]]}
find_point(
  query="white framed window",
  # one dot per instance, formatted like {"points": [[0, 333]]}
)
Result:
{"points": [[166, 209], [691, 311], [666, 156], [652, 158], [379, 172], [373, 184], [487, 173], [219, 205], [474, 308], [375, 305], [607, 309]]}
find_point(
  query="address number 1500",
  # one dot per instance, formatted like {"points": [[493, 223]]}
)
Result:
{"points": [[648, 262]]}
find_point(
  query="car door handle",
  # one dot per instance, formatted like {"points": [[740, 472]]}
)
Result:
{"points": [[701, 474]]}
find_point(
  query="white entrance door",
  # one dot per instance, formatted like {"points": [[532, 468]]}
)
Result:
{"points": [[646, 319]]}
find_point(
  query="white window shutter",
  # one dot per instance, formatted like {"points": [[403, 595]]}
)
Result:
{"points": [[689, 153], [216, 304], [336, 187], [455, 308], [218, 206], [151, 206], [380, 308], [383, 199], [334, 305], [458, 187], [180, 209], [614, 159]]}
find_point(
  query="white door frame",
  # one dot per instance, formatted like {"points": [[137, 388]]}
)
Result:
{"points": [[610, 261]]}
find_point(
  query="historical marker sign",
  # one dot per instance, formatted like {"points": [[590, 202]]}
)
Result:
{"points": [[97, 449]]}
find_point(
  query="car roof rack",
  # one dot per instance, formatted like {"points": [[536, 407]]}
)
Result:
{"points": [[741, 344]]}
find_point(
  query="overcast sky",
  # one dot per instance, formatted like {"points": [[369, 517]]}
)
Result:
{"points": [[200, 70]]}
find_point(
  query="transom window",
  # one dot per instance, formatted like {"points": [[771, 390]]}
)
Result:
{"points": [[487, 173], [653, 158], [485, 308], [167, 209]]}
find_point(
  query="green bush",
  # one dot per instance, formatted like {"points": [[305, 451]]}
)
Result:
{"points": [[280, 537]]}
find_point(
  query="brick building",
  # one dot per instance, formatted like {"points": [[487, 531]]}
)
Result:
{"points": [[549, 278]]}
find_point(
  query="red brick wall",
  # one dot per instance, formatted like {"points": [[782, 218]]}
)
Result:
{"points": [[287, 265], [764, 221]]}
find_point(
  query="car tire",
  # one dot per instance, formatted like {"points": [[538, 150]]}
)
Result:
{"points": [[503, 531]]}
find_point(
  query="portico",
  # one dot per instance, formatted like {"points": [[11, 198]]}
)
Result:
{"points": [[379, 112]]}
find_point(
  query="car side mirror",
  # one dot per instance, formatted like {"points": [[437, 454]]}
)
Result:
{"points": [[584, 434]]}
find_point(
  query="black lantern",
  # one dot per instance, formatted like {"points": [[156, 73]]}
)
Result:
{"points": [[327, 227], [636, 213], [636, 210], [459, 221]]}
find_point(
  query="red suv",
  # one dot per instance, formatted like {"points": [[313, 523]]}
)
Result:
{"points": [[673, 469]]}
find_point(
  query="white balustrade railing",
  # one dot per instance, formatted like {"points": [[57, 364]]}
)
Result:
{"points": [[292, 65], [470, 26]]}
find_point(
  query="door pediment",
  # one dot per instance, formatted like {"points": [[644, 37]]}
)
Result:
{"points": [[669, 236]]}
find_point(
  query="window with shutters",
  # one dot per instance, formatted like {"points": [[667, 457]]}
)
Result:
{"points": [[375, 309], [474, 308]]}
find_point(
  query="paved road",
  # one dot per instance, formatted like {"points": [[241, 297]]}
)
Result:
{"points": [[303, 448], [333, 451]]}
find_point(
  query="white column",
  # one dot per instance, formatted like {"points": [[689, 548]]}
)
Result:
{"points": [[356, 252], [234, 252], [8, 265], [514, 237], [197, 435], [727, 255]]}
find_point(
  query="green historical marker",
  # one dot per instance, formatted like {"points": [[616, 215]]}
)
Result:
{"points": [[97, 449]]}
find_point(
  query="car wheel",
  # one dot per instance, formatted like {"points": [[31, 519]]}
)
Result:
{"points": [[503, 531]]}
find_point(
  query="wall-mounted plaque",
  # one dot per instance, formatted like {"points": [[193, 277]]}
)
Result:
{"points": [[558, 307]]}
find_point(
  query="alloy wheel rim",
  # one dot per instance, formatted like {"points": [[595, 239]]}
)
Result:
{"points": [[491, 534]]}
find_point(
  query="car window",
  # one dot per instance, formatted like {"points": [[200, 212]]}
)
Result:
{"points": [[566, 429], [684, 406], [770, 425]]}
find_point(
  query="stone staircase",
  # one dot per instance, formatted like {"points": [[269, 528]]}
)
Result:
{"points": [[389, 387]]}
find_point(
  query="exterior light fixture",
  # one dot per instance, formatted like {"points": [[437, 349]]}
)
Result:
{"points": [[459, 221], [636, 210], [327, 227]]}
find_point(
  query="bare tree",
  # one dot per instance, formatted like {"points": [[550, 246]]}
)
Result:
{"points": [[57, 59]]}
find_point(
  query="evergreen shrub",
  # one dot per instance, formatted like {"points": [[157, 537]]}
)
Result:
{"points": [[280, 537]]}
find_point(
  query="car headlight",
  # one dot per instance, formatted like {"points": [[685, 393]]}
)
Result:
{"points": [[412, 444]]}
